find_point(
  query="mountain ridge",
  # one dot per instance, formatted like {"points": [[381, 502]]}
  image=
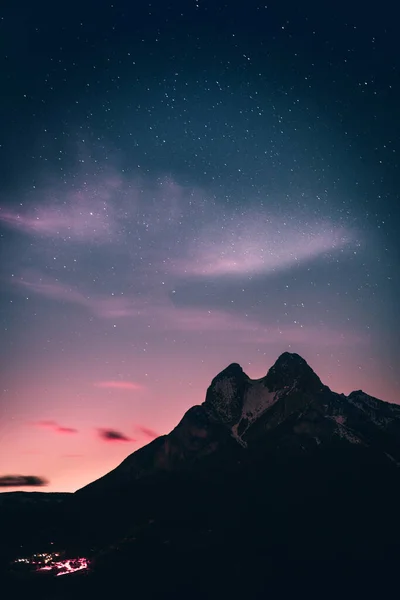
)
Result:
{"points": [[244, 411]]}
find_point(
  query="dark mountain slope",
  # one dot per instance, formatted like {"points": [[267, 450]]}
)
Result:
{"points": [[264, 474]]}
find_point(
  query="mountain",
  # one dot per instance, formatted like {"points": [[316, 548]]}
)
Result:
{"points": [[288, 410], [269, 481]]}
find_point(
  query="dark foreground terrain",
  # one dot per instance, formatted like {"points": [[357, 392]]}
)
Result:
{"points": [[270, 488]]}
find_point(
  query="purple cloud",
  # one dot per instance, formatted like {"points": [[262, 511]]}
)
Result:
{"points": [[253, 244], [56, 427], [94, 209], [111, 435], [85, 214]]}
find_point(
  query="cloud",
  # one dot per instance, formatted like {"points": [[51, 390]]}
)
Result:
{"points": [[61, 429], [111, 435], [150, 433], [254, 244], [168, 317], [119, 385], [110, 307], [56, 427], [84, 214], [162, 237], [94, 209], [22, 481]]}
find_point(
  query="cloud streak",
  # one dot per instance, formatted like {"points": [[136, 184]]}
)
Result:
{"points": [[254, 244], [112, 435], [147, 432], [22, 481], [109, 307], [168, 317], [83, 215], [56, 427], [158, 237], [96, 209], [119, 385]]}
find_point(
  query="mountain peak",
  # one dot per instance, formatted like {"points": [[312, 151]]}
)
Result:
{"points": [[232, 369], [224, 398], [290, 369], [289, 358], [356, 393]]}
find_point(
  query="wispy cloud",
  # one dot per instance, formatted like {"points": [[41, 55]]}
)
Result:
{"points": [[253, 244], [165, 316], [147, 432], [22, 481], [56, 427], [110, 307], [111, 435], [84, 214], [162, 237], [119, 385], [95, 209]]}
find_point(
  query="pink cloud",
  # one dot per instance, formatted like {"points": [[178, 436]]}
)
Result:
{"points": [[150, 433], [76, 223], [56, 427], [119, 385], [61, 429]]}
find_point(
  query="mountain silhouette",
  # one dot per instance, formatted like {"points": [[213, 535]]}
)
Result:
{"points": [[289, 409], [264, 475]]}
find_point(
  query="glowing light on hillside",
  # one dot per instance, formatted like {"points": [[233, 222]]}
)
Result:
{"points": [[54, 563], [65, 567]]}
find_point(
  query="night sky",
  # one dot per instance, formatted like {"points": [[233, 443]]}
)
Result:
{"points": [[185, 184]]}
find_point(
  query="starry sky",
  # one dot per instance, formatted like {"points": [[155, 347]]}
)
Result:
{"points": [[185, 184]]}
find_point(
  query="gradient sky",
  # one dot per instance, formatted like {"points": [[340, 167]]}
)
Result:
{"points": [[183, 185]]}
